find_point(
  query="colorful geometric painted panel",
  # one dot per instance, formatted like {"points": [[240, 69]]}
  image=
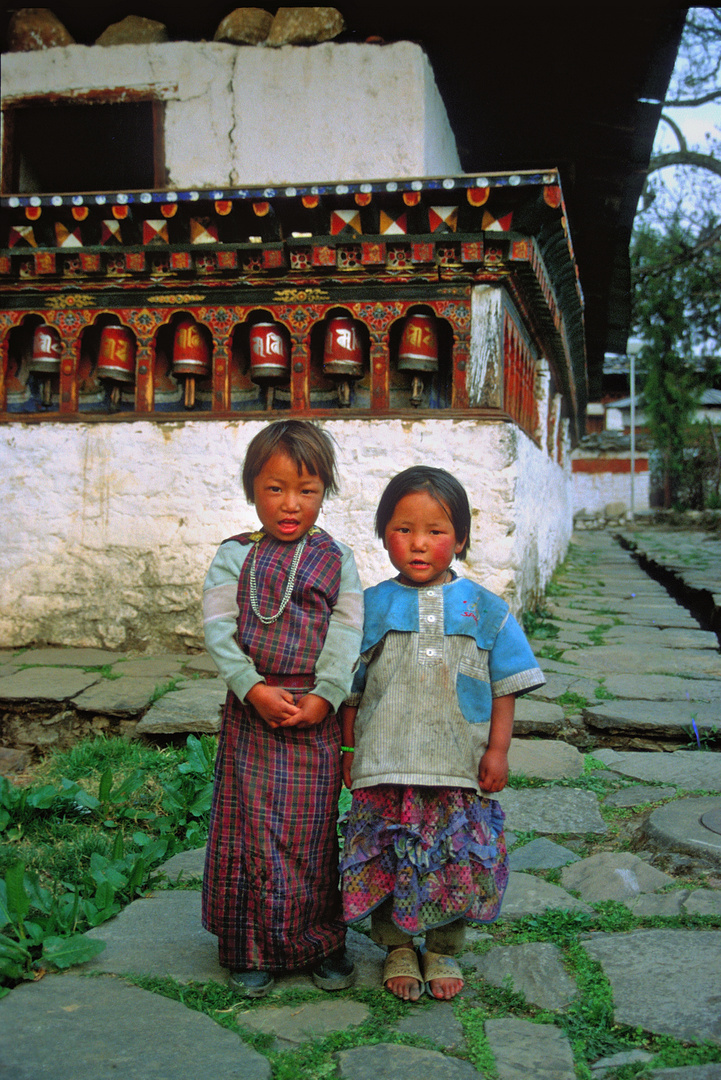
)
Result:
{"points": [[494, 224], [67, 238], [442, 218], [110, 232], [23, 235], [155, 231], [393, 224], [345, 221], [203, 231]]}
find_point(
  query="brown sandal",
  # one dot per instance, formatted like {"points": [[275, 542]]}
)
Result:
{"points": [[402, 963], [438, 966]]}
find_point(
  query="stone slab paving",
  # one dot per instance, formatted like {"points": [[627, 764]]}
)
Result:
{"points": [[559, 683], [185, 866], [523, 1049], [613, 875], [534, 717], [660, 718], [545, 759], [661, 618], [295, 1024], [439, 1023], [541, 854], [689, 1072], [628, 1057], [196, 708], [201, 664], [665, 981], [552, 810], [530, 895], [651, 905], [46, 684], [663, 688], [534, 969], [692, 637], [161, 935], [647, 660], [66, 1027], [689, 639], [117, 697], [678, 827], [396, 1062], [68, 657], [152, 667], [638, 794], [692, 770], [704, 902]]}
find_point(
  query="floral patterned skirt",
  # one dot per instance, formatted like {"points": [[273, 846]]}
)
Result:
{"points": [[440, 853]]}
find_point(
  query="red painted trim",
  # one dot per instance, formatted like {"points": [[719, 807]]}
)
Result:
{"points": [[608, 465]]}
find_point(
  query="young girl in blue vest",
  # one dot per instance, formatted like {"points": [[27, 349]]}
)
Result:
{"points": [[426, 734], [283, 613]]}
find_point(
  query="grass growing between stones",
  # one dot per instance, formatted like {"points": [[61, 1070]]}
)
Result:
{"points": [[87, 837], [588, 1022], [313, 1058]]}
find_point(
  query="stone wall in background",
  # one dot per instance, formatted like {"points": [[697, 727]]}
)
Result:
{"points": [[111, 527], [236, 116]]}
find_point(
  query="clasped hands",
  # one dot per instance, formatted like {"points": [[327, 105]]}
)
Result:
{"points": [[276, 707]]}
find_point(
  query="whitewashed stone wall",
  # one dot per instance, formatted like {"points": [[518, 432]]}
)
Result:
{"points": [[242, 115], [109, 528], [594, 491]]}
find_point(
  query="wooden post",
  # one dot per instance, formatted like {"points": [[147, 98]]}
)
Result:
{"points": [[299, 372], [380, 370], [69, 365]]}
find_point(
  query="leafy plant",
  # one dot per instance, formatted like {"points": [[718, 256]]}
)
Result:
{"points": [[94, 850], [50, 939]]}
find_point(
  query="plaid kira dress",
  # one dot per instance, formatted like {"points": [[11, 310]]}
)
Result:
{"points": [[270, 888]]}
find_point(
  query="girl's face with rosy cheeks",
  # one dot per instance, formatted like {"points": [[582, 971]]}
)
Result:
{"points": [[420, 539]]}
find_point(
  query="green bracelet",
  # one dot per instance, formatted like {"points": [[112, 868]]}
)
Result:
{"points": [[348, 749]]}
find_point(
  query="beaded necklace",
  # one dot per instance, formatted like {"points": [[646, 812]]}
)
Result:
{"points": [[267, 619]]}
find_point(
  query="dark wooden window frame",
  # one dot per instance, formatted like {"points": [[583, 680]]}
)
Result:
{"points": [[8, 185]]}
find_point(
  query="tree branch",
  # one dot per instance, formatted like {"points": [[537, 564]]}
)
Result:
{"points": [[690, 103], [683, 145], [685, 157], [640, 273]]}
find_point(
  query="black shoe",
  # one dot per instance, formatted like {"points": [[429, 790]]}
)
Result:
{"points": [[334, 972], [255, 984]]}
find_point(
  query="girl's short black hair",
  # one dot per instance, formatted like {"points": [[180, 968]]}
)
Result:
{"points": [[303, 442], [443, 487]]}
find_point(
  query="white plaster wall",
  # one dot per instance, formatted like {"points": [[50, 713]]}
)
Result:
{"points": [[109, 528], [253, 115], [543, 502], [593, 491]]}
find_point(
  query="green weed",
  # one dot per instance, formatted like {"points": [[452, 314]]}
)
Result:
{"points": [[73, 853], [569, 699]]}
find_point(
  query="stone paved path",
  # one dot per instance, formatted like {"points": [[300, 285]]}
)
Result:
{"points": [[613, 905]]}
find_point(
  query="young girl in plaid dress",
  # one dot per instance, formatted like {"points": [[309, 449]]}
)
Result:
{"points": [[431, 718], [283, 613]]}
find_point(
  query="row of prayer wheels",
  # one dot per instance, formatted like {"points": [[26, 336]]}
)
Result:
{"points": [[343, 355]]}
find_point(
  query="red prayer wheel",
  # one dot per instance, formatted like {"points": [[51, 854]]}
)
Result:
{"points": [[46, 349], [342, 352], [419, 344], [116, 356], [191, 355], [269, 356]]}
